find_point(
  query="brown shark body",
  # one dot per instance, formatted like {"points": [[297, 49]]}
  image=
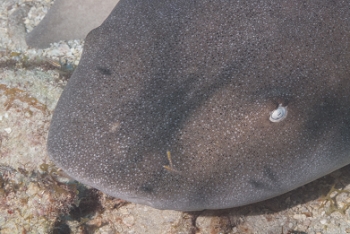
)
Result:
{"points": [[172, 101]]}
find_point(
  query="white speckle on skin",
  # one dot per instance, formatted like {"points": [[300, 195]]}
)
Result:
{"points": [[8, 130]]}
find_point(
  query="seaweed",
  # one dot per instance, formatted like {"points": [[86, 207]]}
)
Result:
{"points": [[13, 94], [331, 200]]}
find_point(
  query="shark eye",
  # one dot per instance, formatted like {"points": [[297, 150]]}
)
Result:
{"points": [[279, 114]]}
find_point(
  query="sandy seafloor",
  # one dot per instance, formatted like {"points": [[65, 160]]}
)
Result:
{"points": [[35, 196]]}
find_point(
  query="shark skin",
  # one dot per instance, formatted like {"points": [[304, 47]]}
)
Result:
{"points": [[193, 105], [68, 20]]}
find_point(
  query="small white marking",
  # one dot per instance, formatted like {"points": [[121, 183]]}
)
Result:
{"points": [[279, 114]]}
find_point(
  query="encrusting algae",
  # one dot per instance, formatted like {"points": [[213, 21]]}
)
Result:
{"points": [[15, 93], [31, 200]]}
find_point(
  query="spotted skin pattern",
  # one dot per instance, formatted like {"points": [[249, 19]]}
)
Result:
{"points": [[171, 101]]}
